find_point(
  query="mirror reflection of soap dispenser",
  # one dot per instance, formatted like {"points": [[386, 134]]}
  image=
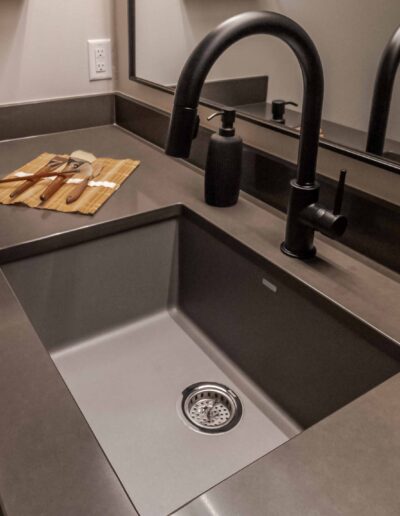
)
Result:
{"points": [[224, 163], [278, 108]]}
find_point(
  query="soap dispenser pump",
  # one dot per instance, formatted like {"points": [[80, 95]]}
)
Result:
{"points": [[224, 163], [278, 108]]}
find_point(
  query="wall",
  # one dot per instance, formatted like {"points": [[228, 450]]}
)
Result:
{"points": [[43, 47], [350, 36], [160, 57]]}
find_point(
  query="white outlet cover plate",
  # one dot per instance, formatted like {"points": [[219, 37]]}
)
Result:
{"points": [[94, 61]]}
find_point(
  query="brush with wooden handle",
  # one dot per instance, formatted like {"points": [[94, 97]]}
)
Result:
{"points": [[53, 187], [51, 166], [90, 172], [75, 162], [33, 178]]}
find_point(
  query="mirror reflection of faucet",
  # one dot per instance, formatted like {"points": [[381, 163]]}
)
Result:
{"points": [[382, 96]]}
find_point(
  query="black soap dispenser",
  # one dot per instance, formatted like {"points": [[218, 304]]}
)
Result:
{"points": [[279, 108], [224, 163]]}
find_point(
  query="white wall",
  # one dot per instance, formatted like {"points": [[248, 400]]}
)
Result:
{"points": [[167, 31], [350, 36], [43, 47]]}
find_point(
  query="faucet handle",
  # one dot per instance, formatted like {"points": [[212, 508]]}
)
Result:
{"points": [[329, 222], [337, 207]]}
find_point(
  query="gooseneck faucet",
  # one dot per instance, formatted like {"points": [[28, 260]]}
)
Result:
{"points": [[382, 96], [305, 215]]}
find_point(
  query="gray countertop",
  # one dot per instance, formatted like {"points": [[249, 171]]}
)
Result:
{"points": [[50, 462]]}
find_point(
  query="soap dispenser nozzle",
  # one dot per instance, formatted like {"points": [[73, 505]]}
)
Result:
{"points": [[228, 117]]}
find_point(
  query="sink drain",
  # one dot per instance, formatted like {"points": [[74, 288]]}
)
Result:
{"points": [[211, 407]]}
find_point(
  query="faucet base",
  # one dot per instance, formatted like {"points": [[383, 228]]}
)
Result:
{"points": [[299, 236], [308, 255]]}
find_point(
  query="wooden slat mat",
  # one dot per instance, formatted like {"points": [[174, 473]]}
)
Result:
{"points": [[113, 171]]}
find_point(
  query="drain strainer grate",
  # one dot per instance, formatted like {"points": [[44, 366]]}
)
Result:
{"points": [[211, 407]]}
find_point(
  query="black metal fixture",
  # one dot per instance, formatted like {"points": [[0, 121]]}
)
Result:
{"points": [[382, 96], [305, 214], [224, 163], [278, 108]]}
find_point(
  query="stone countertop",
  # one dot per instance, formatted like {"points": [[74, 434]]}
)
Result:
{"points": [[50, 462]]}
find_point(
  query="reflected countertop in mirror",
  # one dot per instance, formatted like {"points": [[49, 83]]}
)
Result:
{"points": [[330, 131]]}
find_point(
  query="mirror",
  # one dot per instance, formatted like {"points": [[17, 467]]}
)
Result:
{"points": [[258, 73]]}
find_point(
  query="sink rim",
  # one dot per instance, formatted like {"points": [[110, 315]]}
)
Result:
{"points": [[385, 342]]}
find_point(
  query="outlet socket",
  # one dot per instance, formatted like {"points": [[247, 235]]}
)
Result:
{"points": [[100, 61]]}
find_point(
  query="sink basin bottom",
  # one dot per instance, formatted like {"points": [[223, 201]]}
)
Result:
{"points": [[128, 383]]}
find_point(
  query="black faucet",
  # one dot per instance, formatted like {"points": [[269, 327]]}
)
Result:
{"points": [[382, 96], [305, 215]]}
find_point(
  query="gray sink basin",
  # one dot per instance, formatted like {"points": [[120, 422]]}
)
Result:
{"points": [[134, 318]]}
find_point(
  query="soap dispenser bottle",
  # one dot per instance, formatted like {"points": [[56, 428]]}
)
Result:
{"points": [[224, 163]]}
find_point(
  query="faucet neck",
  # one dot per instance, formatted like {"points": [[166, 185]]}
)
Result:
{"points": [[197, 67], [382, 96]]}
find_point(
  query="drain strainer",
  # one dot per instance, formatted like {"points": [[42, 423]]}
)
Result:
{"points": [[211, 407]]}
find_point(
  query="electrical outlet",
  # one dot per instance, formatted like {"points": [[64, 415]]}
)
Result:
{"points": [[100, 68], [100, 62]]}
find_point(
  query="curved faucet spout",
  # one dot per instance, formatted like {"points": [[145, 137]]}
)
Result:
{"points": [[305, 214], [184, 117], [382, 97]]}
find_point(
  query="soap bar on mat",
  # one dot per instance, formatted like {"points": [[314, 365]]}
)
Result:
{"points": [[113, 174]]}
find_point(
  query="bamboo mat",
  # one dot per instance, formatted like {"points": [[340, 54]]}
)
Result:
{"points": [[113, 174]]}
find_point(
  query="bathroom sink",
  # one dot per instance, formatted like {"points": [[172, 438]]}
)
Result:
{"points": [[134, 319]]}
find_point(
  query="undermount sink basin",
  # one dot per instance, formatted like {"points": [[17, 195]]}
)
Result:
{"points": [[133, 319]]}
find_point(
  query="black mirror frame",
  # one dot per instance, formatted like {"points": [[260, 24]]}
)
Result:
{"points": [[371, 159]]}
